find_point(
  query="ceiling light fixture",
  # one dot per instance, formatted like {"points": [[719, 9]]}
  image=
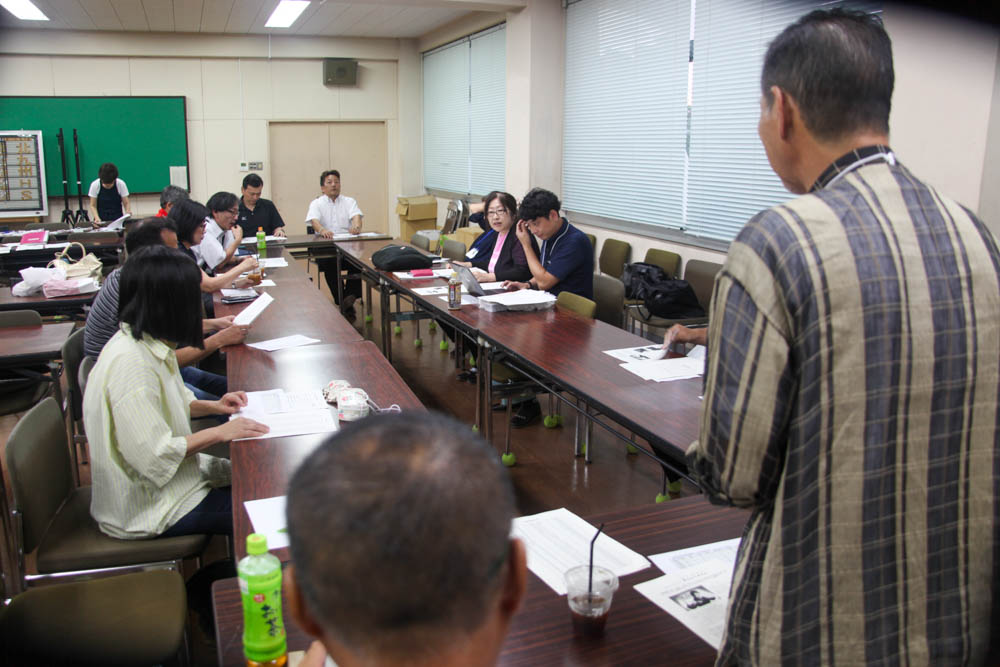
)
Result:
{"points": [[285, 14], [24, 10]]}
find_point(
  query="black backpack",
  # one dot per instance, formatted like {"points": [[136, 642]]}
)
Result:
{"points": [[400, 258], [660, 294]]}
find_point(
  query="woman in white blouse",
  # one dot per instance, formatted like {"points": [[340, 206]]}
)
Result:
{"points": [[149, 478]]}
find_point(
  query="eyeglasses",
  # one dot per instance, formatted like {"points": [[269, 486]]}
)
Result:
{"points": [[496, 212], [235, 210]]}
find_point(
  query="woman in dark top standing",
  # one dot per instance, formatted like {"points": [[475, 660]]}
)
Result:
{"points": [[500, 254]]}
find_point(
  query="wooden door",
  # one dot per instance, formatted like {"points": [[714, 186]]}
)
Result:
{"points": [[300, 152]]}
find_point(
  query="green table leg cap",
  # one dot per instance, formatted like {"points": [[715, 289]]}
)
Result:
{"points": [[631, 449], [432, 326], [508, 459], [674, 487], [443, 346], [475, 427], [368, 319], [418, 342], [662, 498], [397, 330], [550, 421], [583, 449]]}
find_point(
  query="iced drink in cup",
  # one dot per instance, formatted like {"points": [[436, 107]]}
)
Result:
{"points": [[256, 274], [590, 598]]}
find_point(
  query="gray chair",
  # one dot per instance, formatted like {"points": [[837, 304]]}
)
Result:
{"points": [[52, 517], [614, 255], [20, 318], [86, 365], [609, 293], [421, 242], [72, 356], [130, 619], [453, 250]]}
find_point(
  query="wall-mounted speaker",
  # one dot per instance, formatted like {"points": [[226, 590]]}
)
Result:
{"points": [[340, 72]]}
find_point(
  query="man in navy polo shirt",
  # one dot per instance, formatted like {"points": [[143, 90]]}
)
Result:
{"points": [[567, 258]]}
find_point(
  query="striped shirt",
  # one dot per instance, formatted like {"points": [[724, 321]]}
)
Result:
{"points": [[137, 414], [851, 401], [102, 320]]}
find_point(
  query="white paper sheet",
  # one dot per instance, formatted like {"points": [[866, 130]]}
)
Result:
{"points": [[267, 282], [243, 293], [276, 401], [666, 370], [250, 313], [273, 262], [467, 299], [558, 540], [438, 273], [521, 297], [55, 246], [5, 250], [431, 291], [695, 596], [31, 246], [297, 423], [178, 176], [117, 225], [355, 237], [250, 240], [672, 561], [295, 340], [643, 353], [268, 518], [697, 352]]}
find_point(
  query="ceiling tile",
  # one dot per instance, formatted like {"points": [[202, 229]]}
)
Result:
{"points": [[131, 14], [187, 15], [215, 15], [159, 15]]}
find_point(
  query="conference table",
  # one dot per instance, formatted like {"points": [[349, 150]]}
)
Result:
{"points": [[12, 261], [562, 352], [637, 631], [262, 467]]}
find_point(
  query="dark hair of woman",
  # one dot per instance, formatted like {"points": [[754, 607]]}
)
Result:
{"points": [[221, 201], [507, 200], [160, 295], [187, 215]]}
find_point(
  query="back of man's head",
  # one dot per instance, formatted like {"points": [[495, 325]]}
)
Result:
{"points": [[146, 232], [537, 204], [837, 66], [171, 195], [400, 535]]}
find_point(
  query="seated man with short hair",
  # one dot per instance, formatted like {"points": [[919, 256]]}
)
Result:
{"points": [[433, 577], [567, 257], [168, 197]]}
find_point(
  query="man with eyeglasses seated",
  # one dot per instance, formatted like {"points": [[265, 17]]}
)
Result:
{"points": [[435, 577], [222, 235], [567, 258]]}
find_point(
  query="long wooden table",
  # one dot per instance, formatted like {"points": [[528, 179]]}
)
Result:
{"points": [[638, 632], [261, 468], [559, 349]]}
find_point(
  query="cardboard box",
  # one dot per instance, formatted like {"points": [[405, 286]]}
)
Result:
{"points": [[407, 228], [420, 207], [466, 235]]}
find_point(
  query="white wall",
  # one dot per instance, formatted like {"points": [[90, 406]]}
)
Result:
{"points": [[232, 90]]}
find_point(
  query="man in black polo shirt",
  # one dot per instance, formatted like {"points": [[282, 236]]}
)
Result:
{"points": [[255, 211]]}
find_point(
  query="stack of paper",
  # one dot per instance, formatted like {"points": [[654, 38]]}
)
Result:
{"points": [[268, 518], [695, 587], [559, 540], [250, 313], [295, 340], [249, 240], [289, 413], [525, 299], [666, 370], [238, 295], [273, 262]]}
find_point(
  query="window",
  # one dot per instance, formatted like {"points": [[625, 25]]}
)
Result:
{"points": [[662, 103], [464, 111]]}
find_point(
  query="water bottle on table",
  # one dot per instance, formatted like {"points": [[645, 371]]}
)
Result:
{"points": [[260, 586]]}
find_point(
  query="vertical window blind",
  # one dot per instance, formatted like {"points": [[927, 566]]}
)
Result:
{"points": [[719, 177], [464, 112]]}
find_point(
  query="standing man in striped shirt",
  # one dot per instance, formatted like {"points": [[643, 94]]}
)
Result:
{"points": [[851, 397]]}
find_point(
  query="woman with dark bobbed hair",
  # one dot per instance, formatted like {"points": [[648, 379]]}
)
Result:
{"points": [[499, 253], [149, 478], [190, 217]]}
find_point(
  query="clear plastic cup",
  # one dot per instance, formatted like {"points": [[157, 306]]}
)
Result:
{"points": [[590, 602]]}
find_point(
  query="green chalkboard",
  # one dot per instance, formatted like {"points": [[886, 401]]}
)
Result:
{"points": [[143, 136]]}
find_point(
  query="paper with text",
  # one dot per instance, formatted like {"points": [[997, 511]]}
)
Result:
{"points": [[558, 540], [250, 313], [272, 262], [681, 559], [695, 596], [643, 353], [666, 370]]}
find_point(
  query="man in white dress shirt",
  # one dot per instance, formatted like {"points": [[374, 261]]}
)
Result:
{"points": [[333, 213], [222, 235]]}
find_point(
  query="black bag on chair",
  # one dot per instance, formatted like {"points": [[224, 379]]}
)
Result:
{"points": [[400, 258], [660, 294]]}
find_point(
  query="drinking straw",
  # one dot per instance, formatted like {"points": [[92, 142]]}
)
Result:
{"points": [[590, 573]]}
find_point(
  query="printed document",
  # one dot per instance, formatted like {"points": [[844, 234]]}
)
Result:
{"points": [[289, 413], [666, 370], [250, 313], [558, 540], [272, 262], [643, 353]]}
